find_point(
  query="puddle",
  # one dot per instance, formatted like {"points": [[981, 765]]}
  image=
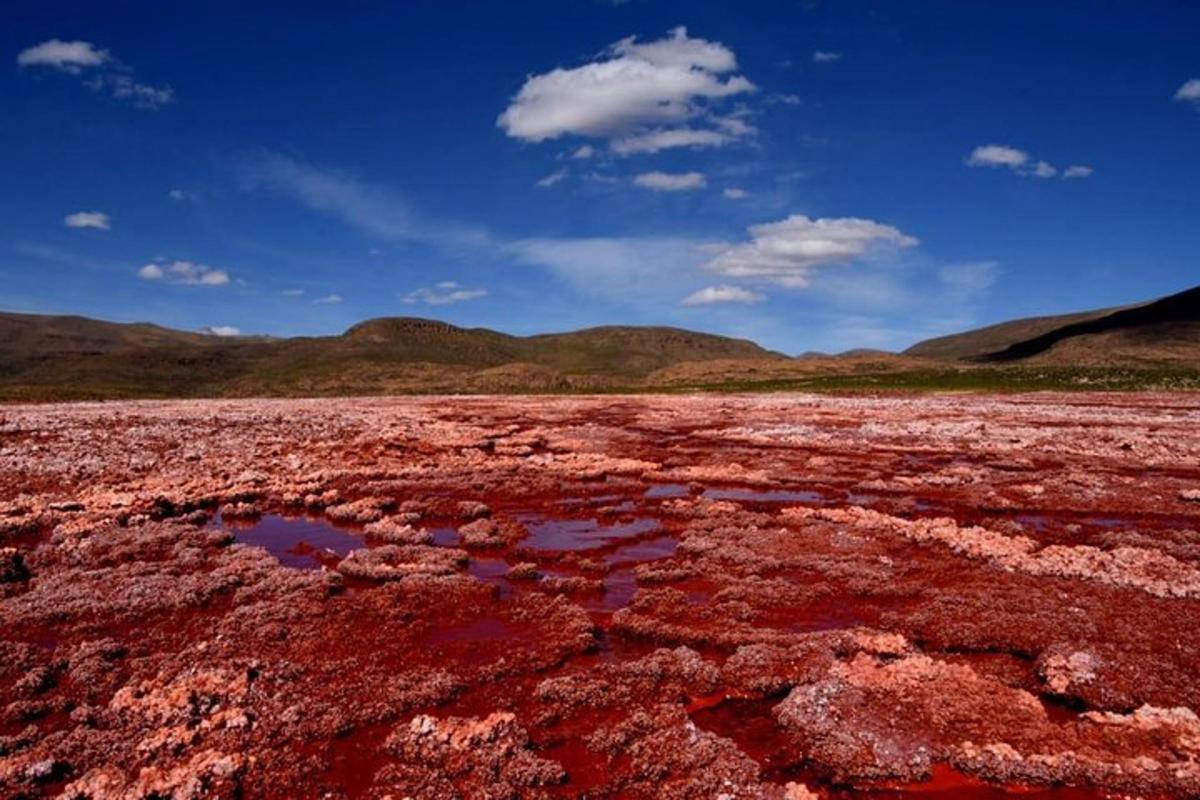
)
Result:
{"points": [[667, 490], [581, 534], [493, 571], [445, 537], [644, 550], [765, 495], [297, 542]]}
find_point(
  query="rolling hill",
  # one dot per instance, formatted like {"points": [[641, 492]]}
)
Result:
{"points": [[68, 357], [47, 356], [1156, 333]]}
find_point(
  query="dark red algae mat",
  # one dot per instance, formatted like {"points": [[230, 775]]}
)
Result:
{"points": [[783, 596]]}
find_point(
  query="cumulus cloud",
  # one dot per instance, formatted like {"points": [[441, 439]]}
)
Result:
{"points": [[66, 56], [99, 70], [221, 330], [997, 155], [734, 193], [1021, 162], [292, 293], [184, 273], [553, 178], [584, 151], [825, 56], [88, 219], [328, 300], [443, 294], [1189, 92], [786, 253], [638, 95], [671, 182], [721, 294]]}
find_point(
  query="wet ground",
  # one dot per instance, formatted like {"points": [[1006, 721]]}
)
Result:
{"points": [[675, 597]]}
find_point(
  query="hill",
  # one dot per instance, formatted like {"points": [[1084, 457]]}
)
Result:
{"points": [[66, 357], [58, 357], [1156, 333]]}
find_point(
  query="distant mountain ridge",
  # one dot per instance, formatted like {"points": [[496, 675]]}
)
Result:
{"points": [[71, 357]]}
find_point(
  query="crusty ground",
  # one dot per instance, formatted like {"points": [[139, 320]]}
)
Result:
{"points": [[784, 596]]}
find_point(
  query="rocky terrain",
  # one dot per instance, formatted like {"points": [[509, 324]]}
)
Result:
{"points": [[784, 596]]}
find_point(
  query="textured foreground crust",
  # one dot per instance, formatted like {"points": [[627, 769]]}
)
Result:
{"points": [[649, 597]]}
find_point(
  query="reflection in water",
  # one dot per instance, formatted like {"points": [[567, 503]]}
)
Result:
{"points": [[298, 542]]}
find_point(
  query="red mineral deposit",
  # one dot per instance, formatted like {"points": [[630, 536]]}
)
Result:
{"points": [[783, 596]]}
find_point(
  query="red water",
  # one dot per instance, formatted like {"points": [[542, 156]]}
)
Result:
{"points": [[743, 495], [582, 534], [298, 542]]}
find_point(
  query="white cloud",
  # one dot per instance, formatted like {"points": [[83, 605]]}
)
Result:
{"points": [[1044, 169], [553, 178], [221, 330], [185, 273], [721, 294], [328, 300], [997, 155], [1190, 91], [443, 294], [100, 71], [734, 193], [654, 141], [179, 195], [635, 89], [375, 209], [584, 151], [141, 95], [671, 182], [786, 253], [292, 293], [66, 56], [825, 56], [88, 219], [1000, 155]]}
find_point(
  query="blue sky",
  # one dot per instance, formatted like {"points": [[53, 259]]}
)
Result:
{"points": [[811, 175]]}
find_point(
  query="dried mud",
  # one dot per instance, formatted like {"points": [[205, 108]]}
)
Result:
{"points": [[650, 597]]}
